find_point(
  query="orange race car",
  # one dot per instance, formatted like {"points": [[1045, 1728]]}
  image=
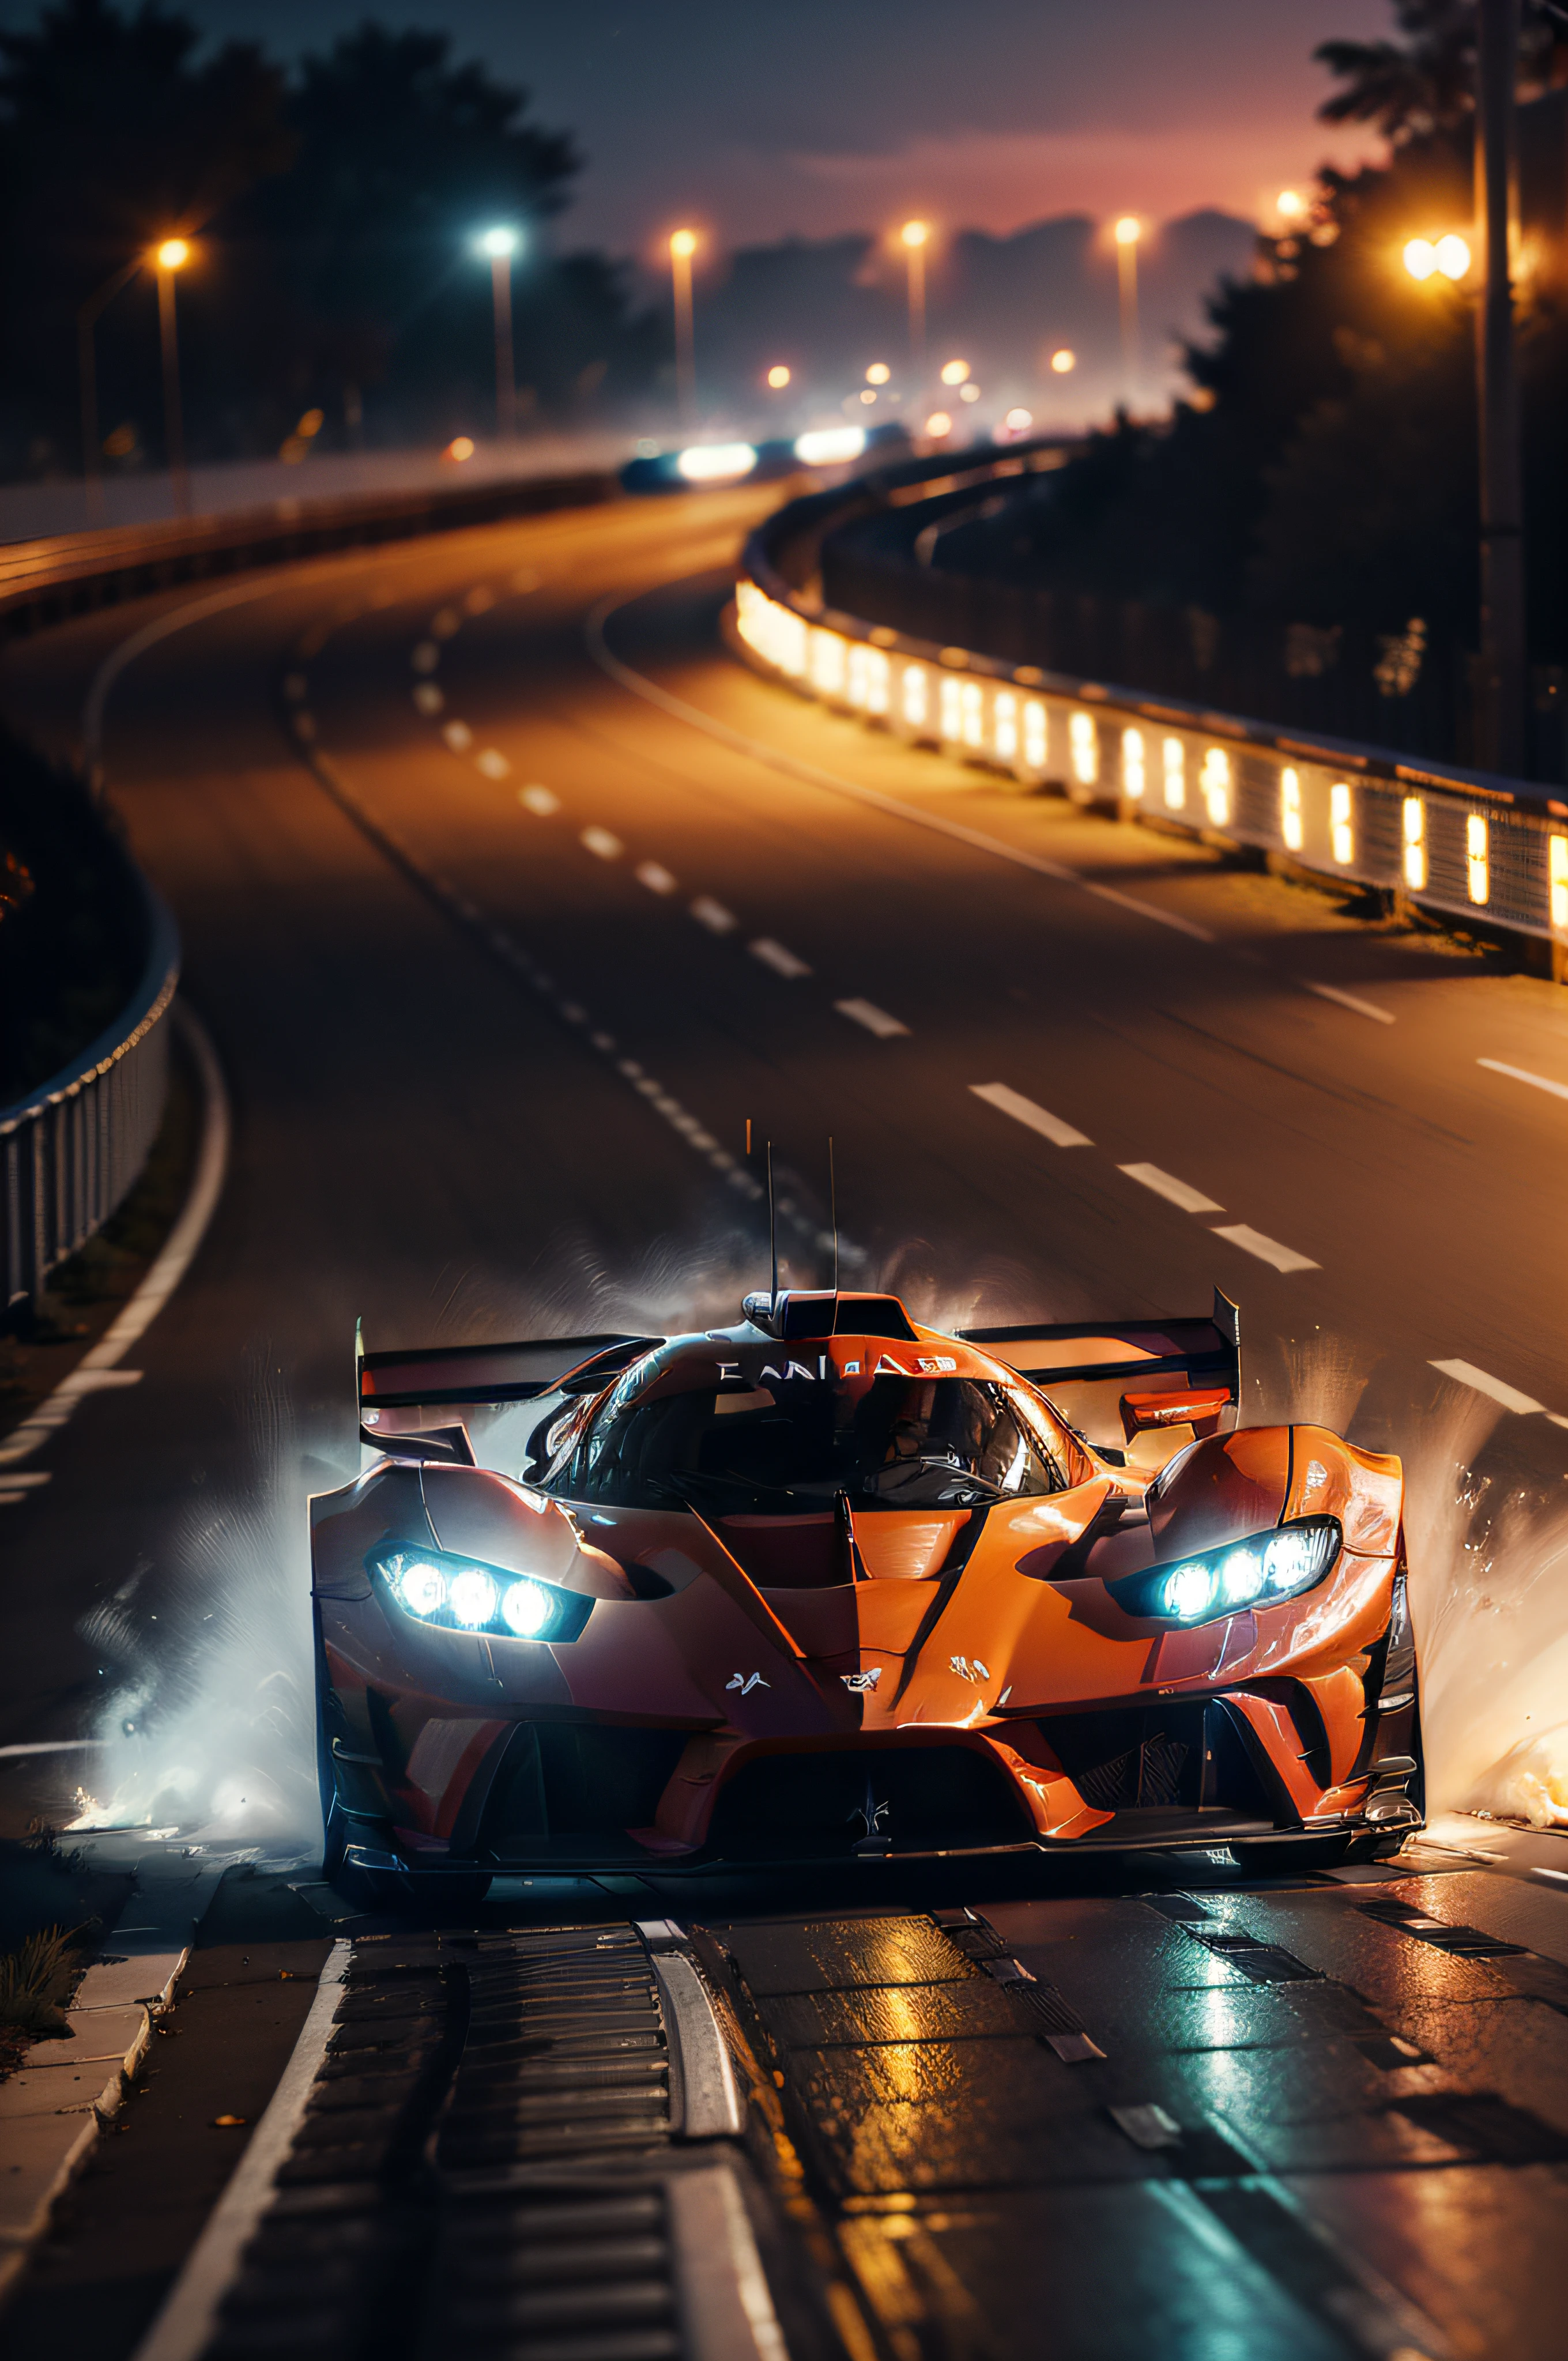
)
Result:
{"points": [[828, 1584]]}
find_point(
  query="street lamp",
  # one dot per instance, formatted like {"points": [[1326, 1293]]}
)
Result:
{"points": [[499, 245], [1426, 258], [172, 255], [913, 237], [1129, 229], [683, 246]]}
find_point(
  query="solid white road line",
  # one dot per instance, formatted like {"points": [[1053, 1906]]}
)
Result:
{"points": [[1465, 1373], [493, 763], [1518, 1074], [1253, 1242], [97, 1369], [540, 800], [195, 610], [1037, 1119], [1166, 1184], [655, 876], [1347, 1000], [599, 840], [184, 2326], [875, 1020], [774, 955], [812, 775], [458, 736], [714, 915]]}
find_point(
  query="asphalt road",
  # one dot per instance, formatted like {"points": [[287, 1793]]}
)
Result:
{"points": [[500, 955]]}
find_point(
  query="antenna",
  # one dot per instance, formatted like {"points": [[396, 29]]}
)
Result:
{"points": [[773, 1234], [833, 1209]]}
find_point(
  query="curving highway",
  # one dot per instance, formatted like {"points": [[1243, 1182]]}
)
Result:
{"points": [[509, 898]]}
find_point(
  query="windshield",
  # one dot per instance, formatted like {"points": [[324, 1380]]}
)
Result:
{"points": [[793, 1444]]}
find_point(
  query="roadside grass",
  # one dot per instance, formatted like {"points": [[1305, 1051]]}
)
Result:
{"points": [[36, 1981]]}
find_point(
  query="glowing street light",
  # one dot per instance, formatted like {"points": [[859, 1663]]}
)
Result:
{"points": [[954, 372], [914, 237], [778, 377], [683, 246], [939, 424], [1448, 256], [878, 373], [1290, 206], [1129, 229], [170, 256], [1064, 361], [497, 246]]}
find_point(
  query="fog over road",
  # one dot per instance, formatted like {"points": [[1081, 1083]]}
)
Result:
{"points": [[499, 953]]}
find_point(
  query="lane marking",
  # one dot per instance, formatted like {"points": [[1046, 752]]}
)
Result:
{"points": [[1465, 1373], [428, 699], [1518, 1074], [98, 1370], [1166, 1184], [655, 876], [195, 610], [493, 763], [458, 736], [599, 840], [875, 1020], [425, 656], [1036, 1118], [55, 1746], [775, 955], [714, 915], [540, 800], [1270, 1251], [812, 775], [1349, 1000]]}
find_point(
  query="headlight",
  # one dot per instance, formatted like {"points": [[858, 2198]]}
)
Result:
{"points": [[1254, 1573], [434, 1586]]}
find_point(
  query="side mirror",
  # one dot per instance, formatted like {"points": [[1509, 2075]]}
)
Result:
{"points": [[1201, 1409]]}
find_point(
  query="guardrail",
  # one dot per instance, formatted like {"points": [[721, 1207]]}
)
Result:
{"points": [[70, 1151], [43, 582], [1465, 843]]}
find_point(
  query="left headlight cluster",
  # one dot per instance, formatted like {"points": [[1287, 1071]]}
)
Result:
{"points": [[1256, 1572], [460, 1595]]}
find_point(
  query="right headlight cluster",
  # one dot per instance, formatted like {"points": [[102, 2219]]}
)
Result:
{"points": [[461, 1594], [1256, 1572]]}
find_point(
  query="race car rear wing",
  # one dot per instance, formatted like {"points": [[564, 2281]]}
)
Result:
{"points": [[1167, 1373], [396, 1391]]}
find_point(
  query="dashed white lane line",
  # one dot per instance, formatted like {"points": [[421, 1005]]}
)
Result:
{"points": [[1036, 1118], [778, 956], [600, 841], [714, 915], [1465, 1373], [493, 763], [875, 1020], [1167, 1185], [1270, 1251], [425, 656], [540, 800], [1347, 1000], [458, 736], [428, 699], [1518, 1074], [655, 876]]}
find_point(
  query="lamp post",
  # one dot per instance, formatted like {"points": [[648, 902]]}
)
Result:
{"points": [[499, 245], [1129, 229], [1502, 736], [87, 319], [914, 237], [683, 246], [172, 256]]}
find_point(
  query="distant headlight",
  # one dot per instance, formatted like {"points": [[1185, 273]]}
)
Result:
{"points": [[1256, 1572], [717, 463], [434, 1586], [829, 446]]}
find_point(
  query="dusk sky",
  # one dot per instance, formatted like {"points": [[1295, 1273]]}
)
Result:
{"points": [[835, 115]]}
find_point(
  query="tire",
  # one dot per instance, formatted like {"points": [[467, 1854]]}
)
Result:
{"points": [[1285, 1860]]}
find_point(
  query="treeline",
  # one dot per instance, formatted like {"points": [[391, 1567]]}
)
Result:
{"points": [[1324, 470], [333, 211]]}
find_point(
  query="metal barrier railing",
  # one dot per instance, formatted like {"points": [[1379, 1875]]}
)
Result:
{"points": [[1465, 843], [71, 1150]]}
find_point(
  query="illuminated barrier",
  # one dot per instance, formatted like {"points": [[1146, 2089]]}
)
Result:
{"points": [[1453, 841]]}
